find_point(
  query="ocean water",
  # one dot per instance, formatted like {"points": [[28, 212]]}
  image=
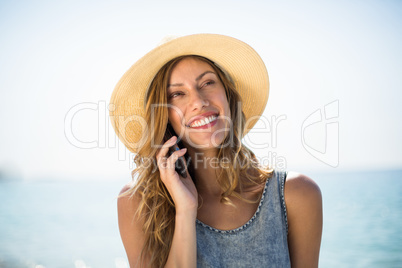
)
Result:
{"points": [[362, 219], [60, 224], [51, 224]]}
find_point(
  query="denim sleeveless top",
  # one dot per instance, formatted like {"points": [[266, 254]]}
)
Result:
{"points": [[261, 242]]}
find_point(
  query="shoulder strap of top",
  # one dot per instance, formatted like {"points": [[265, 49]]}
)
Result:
{"points": [[281, 180]]}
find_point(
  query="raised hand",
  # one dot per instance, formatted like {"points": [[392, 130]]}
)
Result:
{"points": [[182, 190]]}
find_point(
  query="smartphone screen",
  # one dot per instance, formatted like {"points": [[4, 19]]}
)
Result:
{"points": [[180, 164]]}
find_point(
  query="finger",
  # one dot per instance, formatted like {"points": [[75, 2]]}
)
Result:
{"points": [[165, 147], [181, 164], [177, 148], [167, 165], [171, 161]]}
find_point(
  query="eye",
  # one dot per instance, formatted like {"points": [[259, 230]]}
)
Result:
{"points": [[175, 94], [208, 83]]}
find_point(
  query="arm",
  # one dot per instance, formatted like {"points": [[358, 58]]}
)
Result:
{"points": [[183, 251], [304, 208], [130, 227]]}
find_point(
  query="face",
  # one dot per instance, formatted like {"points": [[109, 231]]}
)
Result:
{"points": [[198, 108]]}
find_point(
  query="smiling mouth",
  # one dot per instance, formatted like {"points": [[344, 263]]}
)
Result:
{"points": [[203, 122]]}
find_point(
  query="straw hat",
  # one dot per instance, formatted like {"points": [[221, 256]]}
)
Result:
{"points": [[237, 59]]}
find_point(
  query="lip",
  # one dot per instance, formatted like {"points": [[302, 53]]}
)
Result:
{"points": [[202, 116]]}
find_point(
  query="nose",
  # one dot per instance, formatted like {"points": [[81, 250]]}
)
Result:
{"points": [[198, 100]]}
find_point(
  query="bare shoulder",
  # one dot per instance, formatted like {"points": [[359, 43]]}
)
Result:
{"points": [[304, 207], [126, 202], [300, 188], [127, 187], [130, 224]]}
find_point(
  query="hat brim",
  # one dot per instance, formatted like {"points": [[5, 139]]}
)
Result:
{"points": [[236, 58]]}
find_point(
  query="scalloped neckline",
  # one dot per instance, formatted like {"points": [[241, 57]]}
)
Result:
{"points": [[244, 226]]}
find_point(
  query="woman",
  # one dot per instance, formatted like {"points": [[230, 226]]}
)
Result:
{"points": [[225, 210]]}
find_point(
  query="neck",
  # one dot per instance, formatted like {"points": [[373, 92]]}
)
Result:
{"points": [[205, 165]]}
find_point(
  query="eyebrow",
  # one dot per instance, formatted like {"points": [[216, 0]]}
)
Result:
{"points": [[198, 78]]}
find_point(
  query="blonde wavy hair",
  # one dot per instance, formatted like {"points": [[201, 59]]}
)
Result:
{"points": [[156, 207]]}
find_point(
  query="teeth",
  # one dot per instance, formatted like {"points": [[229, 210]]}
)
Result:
{"points": [[203, 122]]}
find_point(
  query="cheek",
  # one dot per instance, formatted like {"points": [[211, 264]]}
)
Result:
{"points": [[175, 118], [226, 111], [225, 105]]}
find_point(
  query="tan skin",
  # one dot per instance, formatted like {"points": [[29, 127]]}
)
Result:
{"points": [[195, 89]]}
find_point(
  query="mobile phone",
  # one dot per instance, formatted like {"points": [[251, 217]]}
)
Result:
{"points": [[180, 166]]}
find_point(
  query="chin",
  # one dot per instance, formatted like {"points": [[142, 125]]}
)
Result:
{"points": [[204, 143]]}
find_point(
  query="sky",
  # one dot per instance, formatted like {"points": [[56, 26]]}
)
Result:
{"points": [[334, 69]]}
